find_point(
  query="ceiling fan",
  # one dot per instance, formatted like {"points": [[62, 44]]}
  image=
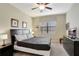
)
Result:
{"points": [[42, 6]]}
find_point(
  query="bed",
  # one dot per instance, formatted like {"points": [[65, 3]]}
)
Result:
{"points": [[34, 45]]}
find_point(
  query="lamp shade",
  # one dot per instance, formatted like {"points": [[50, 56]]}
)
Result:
{"points": [[3, 36]]}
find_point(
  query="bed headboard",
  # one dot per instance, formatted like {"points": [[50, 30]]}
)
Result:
{"points": [[14, 32]]}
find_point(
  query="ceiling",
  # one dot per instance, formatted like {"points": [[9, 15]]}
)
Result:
{"points": [[57, 8]]}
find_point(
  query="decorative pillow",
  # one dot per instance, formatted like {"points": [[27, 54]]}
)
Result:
{"points": [[20, 37]]}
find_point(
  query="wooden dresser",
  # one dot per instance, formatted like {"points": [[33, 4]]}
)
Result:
{"points": [[71, 46]]}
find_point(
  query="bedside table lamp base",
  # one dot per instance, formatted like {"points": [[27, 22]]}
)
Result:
{"points": [[4, 45]]}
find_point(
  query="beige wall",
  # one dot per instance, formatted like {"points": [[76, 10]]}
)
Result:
{"points": [[6, 13], [60, 25], [72, 17]]}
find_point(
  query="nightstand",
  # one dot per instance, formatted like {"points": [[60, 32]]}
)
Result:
{"points": [[6, 50]]}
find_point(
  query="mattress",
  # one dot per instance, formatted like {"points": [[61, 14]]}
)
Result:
{"points": [[33, 51], [38, 43]]}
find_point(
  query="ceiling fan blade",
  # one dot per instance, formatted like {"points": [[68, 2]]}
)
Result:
{"points": [[48, 8], [38, 3], [46, 3], [34, 8], [42, 3]]}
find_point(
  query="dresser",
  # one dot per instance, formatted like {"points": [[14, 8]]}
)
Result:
{"points": [[71, 46], [6, 50]]}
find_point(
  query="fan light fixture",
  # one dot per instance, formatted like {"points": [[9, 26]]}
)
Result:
{"points": [[41, 7]]}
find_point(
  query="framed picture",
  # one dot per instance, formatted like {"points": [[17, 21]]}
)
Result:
{"points": [[14, 22], [24, 24]]}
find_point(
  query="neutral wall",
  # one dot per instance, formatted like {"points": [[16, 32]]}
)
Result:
{"points": [[60, 30], [7, 12], [72, 17]]}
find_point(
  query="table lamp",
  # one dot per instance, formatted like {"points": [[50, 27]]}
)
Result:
{"points": [[3, 37]]}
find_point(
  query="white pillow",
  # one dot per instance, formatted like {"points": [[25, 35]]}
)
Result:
{"points": [[20, 37], [29, 36]]}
